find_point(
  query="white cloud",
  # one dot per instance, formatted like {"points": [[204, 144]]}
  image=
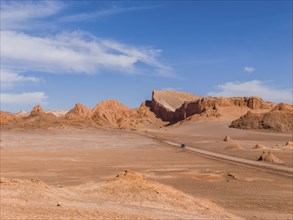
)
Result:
{"points": [[16, 14], [69, 52], [249, 69], [27, 45], [10, 79], [75, 52], [26, 98], [254, 88]]}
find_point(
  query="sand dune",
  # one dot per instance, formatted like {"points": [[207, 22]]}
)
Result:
{"points": [[128, 195]]}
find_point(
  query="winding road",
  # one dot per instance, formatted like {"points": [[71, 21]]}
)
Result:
{"points": [[267, 167]]}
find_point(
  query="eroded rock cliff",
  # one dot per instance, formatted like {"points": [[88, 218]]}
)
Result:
{"points": [[172, 106], [279, 119]]}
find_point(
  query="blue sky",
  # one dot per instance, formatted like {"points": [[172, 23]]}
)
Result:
{"points": [[58, 53]]}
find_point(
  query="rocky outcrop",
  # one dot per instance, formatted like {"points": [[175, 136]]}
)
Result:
{"points": [[8, 118], [80, 110], [172, 106], [36, 110], [269, 157], [279, 119], [36, 119], [165, 107], [250, 102], [79, 117], [168, 105], [112, 113]]}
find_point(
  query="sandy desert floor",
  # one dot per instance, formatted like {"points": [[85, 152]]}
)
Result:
{"points": [[71, 174]]}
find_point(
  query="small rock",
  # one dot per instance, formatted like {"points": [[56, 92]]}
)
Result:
{"points": [[227, 138]]}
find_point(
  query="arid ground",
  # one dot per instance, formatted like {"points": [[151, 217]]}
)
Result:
{"points": [[71, 174]]}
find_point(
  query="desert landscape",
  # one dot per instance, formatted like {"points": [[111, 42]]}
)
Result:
{"points": [[146, 110], [177, 156]]}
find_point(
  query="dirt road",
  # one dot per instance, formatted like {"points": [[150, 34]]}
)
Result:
{"points": [[288, 171]]}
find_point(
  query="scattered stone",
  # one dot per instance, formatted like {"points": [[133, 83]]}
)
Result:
{"points": [[269, 157], [259, 146], [227, 138]]}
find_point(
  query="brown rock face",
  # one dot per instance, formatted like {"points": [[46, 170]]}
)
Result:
{"points": [[269, 157], [8, 118], [167, 105], [112, 113], [227, 138], [36, 110], [279, 119], [36, 119], [172, 100], [250, 102], [80, 110], [79, 116], [173, 106]]}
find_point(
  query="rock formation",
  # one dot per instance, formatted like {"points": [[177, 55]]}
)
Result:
{"points": [[112, 113], [279, 119], [79, 110], [269, 157], [165, 103], [259, 146], [173, 106], [36, 119], [36, 110], [79, 117], [227, 138], [166, 107], [8, 118]]}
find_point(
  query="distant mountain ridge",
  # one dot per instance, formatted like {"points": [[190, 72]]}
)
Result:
{"points": [[166, 107]]}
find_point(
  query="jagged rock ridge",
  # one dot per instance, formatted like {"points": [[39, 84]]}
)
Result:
{"points": [[279, 119], [188, 105], [165, 107]]}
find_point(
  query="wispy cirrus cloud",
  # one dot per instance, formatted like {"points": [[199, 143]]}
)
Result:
{"points": [[102, 13], [69, 52], [76, 52], [254, 88], [15, 15]]}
